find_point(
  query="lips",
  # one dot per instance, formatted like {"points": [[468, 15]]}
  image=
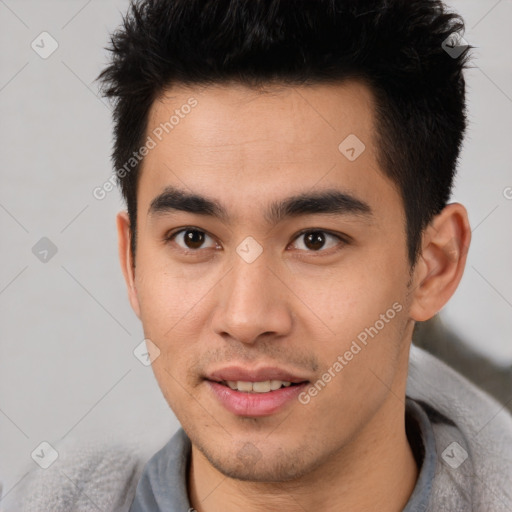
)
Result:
{"points": [[241, 403], [238, 373], [225, 384]]}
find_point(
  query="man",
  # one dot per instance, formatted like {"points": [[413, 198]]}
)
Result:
{"points": [[287, 168]]}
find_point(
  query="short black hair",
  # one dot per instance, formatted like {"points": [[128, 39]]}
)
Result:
{"points": [[394, 46]]}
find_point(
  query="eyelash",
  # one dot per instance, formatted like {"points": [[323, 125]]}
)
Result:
{"points": [[344, 239]]}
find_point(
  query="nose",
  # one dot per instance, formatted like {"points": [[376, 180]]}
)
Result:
{"points": [[253, 303]]}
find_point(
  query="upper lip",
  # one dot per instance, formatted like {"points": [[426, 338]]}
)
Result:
{"points": [[239, 373]]}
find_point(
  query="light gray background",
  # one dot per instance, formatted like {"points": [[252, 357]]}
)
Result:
{"points": [[67, 330]]}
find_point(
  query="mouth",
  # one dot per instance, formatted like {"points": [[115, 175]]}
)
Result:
{"points": [[256, 398], [265, 386], [257, 390]]}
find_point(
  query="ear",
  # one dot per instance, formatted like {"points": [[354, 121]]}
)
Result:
{"points": [[439, 269], [125, 258]]}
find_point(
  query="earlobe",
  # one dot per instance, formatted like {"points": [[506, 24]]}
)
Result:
{"points": [[445, 245], [125, 258]]}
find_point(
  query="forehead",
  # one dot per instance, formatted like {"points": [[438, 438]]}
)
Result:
{"points": [[239, 142], [283, 120]]}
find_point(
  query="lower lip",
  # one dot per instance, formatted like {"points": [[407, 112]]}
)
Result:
{"points": [[255, 404]]}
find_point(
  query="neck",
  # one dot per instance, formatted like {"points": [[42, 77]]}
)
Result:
{"points": [[375, 471]]}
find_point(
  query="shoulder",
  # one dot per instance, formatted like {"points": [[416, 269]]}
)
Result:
{"points": [[85, 476], [484, 424]]}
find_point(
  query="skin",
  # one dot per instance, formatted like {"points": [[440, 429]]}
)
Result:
{"points": [[296, 306]]}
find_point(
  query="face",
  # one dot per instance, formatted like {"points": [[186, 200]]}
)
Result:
{"points": [[288, 264]]}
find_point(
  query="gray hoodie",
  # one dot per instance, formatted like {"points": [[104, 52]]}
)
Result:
{"points": [[462, 439]]}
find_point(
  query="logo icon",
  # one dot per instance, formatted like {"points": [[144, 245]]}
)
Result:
{"points": [[44, 455], [146, 352], [454, 45], [351, 147], [249, 454], [44, 250], [454, 455], [44, 45], [249, 250]]}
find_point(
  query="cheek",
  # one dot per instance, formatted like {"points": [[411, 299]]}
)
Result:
{"points": [[167, 293], [360, 363], [164, 317], [353, 298], [170, 306], [363, 315]]}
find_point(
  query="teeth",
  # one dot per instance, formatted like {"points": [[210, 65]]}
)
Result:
{"points": [[257, 387], [275, 384], [244, 386]]}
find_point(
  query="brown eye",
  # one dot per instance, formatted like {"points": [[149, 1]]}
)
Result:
{"points": [[318, 240], [191, 239], [314, 240]]}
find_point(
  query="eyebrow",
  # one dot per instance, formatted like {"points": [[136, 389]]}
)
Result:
{"points": [[330, 201]]}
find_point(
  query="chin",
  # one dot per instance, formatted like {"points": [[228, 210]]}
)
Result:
{"points": [[252, 465]]}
